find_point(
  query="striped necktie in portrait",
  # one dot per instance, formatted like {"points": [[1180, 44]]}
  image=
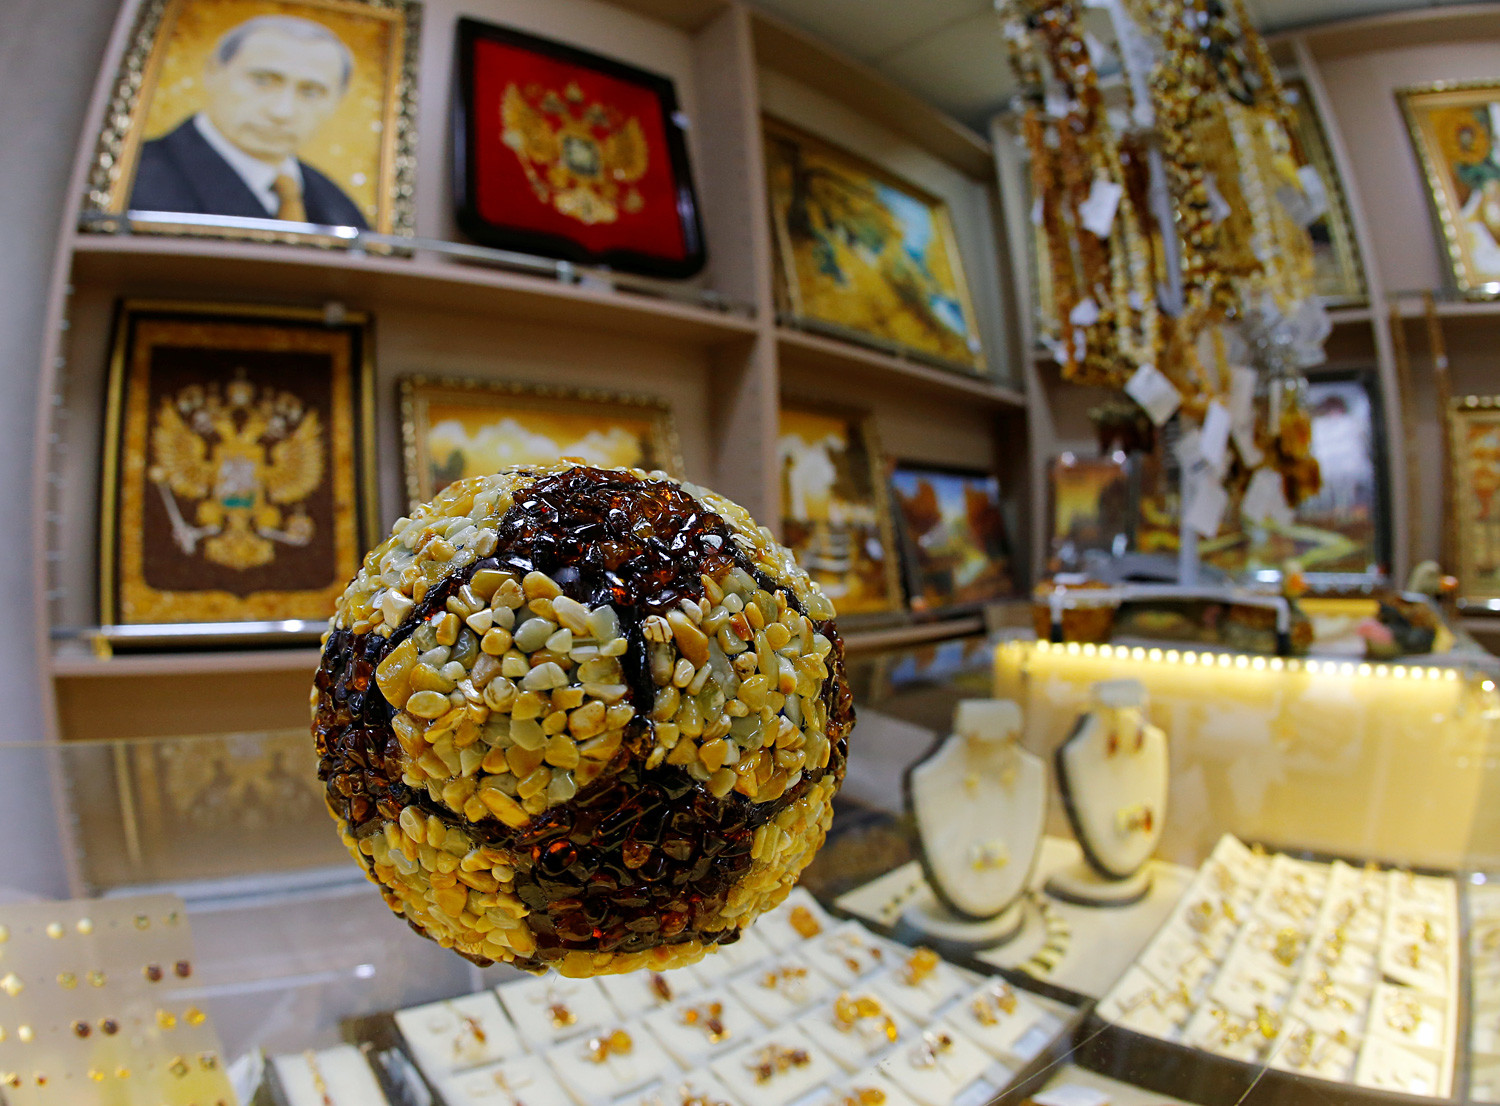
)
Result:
{"points": [[289, 191]]}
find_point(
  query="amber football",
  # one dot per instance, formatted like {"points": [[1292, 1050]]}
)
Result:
{"points": [[582, 719]]}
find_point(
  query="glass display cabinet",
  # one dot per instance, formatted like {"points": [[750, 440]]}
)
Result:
{"points": [[1317, 919]]}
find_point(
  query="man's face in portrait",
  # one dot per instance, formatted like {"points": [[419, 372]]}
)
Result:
{"points": [[274, 92]]}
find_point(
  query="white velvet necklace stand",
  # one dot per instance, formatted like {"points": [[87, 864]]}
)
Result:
{"points": [[979, 803], [1113, 773]]}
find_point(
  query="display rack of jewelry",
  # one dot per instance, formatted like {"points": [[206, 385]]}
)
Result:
{"points": [[1280, 970], [96, 1006], [979, 805], [835, 1008], [1112, 772], [1484, 990]]}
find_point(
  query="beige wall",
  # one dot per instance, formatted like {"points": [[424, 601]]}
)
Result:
{"points": [[49, 54]]}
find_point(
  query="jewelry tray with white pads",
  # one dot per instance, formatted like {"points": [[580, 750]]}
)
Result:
{"points": [[1278, 970], [865, 1010]]}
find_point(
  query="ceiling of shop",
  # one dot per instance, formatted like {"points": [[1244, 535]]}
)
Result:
{"points": [[951, 52]]}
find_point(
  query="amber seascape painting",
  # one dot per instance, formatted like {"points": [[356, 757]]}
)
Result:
{"points": [[453, 428], [865, 256]]}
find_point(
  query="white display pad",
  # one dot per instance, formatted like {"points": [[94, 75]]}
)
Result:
{"points": [[637, 992], [551, 1008], [336, 1075], [938, 1067], [780, 989], [703, 1025], [859, 1037], [1004, 1022], [1113, 773], [851, 953], [524, 1082], [919, 995], [699, 1087], [798, 919], [776, 1070], [725, 961], [611, 1062], [979, 803], [866, 1082], [459, 1033]]}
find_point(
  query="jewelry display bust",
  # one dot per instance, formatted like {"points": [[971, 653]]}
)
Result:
{"points": [[1112, 772], [979, 802]]}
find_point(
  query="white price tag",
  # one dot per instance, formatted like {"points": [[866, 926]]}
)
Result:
{"points": [[1085, 312], [1097, 213], [1218, 206], [1188, 450], [1206, 503], [1242, 397], [1071, 1094], [1242, 383], [1214, 442], [1265, 499], [1157, 395], [1244, 442]]}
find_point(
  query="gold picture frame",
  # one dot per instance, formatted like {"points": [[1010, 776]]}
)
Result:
{"points": [[1474, 481], [1338, 276], [238, 466], [1455, 127], [272, 120], [909, 297], [490, 424], [834, 506]]}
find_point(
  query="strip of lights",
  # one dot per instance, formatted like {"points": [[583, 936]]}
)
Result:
{"points": [[1193, 658]]}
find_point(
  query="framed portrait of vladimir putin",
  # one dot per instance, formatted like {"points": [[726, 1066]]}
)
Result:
{"points": [[281, 120]]}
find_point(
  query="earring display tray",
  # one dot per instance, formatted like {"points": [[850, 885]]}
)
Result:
{"points": [[1279, 969], [850, 1008]]}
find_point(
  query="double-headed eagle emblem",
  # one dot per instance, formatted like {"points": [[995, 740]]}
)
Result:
{"points": [[240, 461], [582, 159]]}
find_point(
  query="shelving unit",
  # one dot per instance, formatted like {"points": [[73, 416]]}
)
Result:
{"points": [[712, 346], [1351, 69]]}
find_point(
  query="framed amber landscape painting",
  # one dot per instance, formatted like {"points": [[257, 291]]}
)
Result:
{"points": [[452, 428], [834, 515], [238, 474], [1455, 129], [1475, 498], [953, 542], [865, 256]]}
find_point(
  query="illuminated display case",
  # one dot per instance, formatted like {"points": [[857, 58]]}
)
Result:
{"points": [[1336, 770]]}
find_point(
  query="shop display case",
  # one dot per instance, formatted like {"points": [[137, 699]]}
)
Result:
{"points": [[1324, 820]]}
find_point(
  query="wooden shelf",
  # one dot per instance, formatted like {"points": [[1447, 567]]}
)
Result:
{"points": [[920, 633], [801, 351], [787, 50], [1348, 316], [147, 265], [76, 665], [1412, 307]]}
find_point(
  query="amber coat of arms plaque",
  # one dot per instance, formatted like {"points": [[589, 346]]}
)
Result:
{"points": [[236, 464], [567, 154]]}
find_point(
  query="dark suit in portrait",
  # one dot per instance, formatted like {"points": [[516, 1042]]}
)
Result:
{"points": [[181, 172]]}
